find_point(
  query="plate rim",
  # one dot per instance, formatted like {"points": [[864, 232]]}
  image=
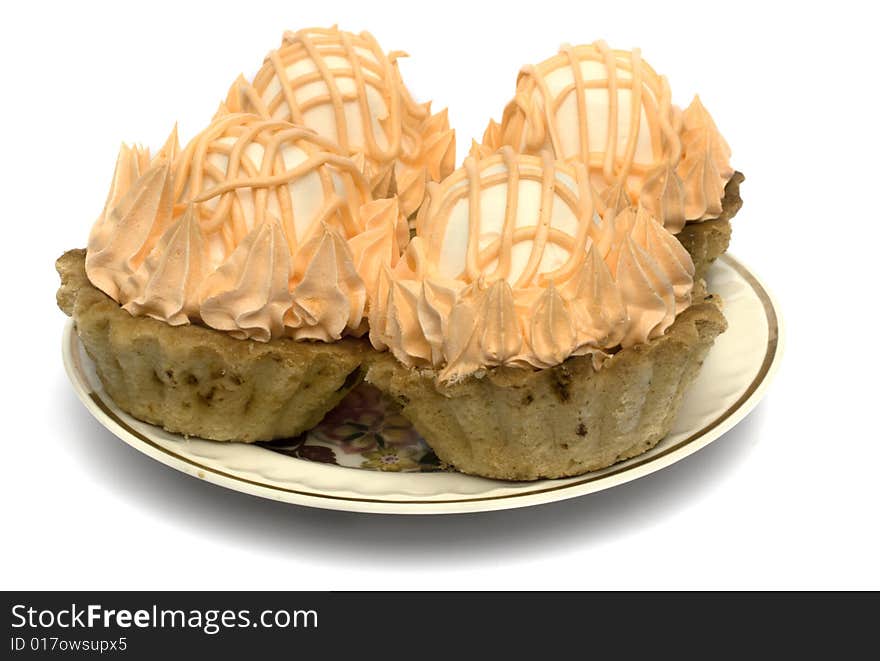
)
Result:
{"points": [[589, 483]]}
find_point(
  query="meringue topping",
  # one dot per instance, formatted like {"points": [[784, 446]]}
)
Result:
{"points": [[522, 218], [705, 164], [609, 110], [166, 285], [513, 264], [343, 86], [248, 295], [131, 223], [246, 230]]}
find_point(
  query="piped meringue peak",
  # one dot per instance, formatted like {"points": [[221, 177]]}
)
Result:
{"points": [[344, 86], [609, 110], [257, 227], [517, 262]]}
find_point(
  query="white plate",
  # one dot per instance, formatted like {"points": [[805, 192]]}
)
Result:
{"points": [[732, 380]]}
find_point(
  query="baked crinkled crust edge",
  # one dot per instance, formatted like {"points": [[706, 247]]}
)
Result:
{"points": [[518, 424], [197, 381]]}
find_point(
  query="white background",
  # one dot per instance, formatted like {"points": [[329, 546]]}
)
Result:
{"points": [[788, 499]]}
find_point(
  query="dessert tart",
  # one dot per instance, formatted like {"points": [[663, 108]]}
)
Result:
{"points": [[530, 336], [225, 285], [537, 313], [348, 90], [609, 110]]}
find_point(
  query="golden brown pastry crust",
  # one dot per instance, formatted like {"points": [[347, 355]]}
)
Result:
{"points": [[198, 381], [520, 424], [708, 239]]}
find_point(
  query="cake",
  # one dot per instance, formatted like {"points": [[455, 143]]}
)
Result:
{"points": [[344, 86], [225, 284], [609, 110], [531, 337]]}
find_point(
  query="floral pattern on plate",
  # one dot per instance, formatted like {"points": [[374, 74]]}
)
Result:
{"points": [[366, 430]]}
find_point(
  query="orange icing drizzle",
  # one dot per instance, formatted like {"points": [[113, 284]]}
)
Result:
{"points": [[316, 45], [418, 140], [538, 120], [473, 178], [674, 163], [198, 180]]}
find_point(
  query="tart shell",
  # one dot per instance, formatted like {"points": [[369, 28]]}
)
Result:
{"points": [[518, 424], [197, 381]]}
